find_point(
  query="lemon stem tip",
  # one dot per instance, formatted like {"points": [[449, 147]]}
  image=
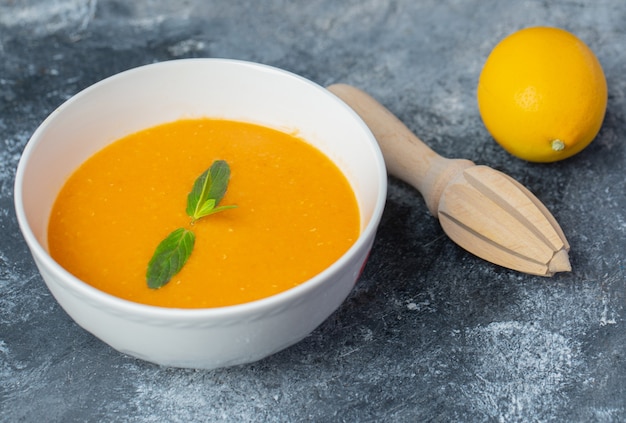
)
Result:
{"points": [[558, 145]]}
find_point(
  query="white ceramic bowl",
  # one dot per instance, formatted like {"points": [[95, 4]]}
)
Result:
{"points": [[163, 92]]}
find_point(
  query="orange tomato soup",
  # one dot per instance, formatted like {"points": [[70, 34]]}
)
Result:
{"points": [[296, 214]]}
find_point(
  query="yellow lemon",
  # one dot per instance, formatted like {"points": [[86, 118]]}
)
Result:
{"points": [[542, 94]]}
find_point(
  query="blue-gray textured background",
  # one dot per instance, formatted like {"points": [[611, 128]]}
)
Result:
{"points": [[430, 333]]}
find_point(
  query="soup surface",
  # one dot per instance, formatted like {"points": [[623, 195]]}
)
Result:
{"points": [[296, 214]]}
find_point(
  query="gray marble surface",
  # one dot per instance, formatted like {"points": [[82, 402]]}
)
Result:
{"points": [[430, 333]]}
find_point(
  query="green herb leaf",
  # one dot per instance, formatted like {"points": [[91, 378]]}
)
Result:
{"points": [[172, 253], [209, 208], [208, 190], [169, 257]]}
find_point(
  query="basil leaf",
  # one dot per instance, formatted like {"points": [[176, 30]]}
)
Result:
{"points": [[169, 257]]}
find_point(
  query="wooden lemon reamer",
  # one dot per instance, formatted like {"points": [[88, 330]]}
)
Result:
{"points": [[483, 210]]}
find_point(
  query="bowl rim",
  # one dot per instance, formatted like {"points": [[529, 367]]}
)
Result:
{"points": [[79, 287]]}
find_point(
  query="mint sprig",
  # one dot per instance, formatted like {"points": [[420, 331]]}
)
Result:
{"points": [[208, 191], [170, 256], [173, 252]]}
